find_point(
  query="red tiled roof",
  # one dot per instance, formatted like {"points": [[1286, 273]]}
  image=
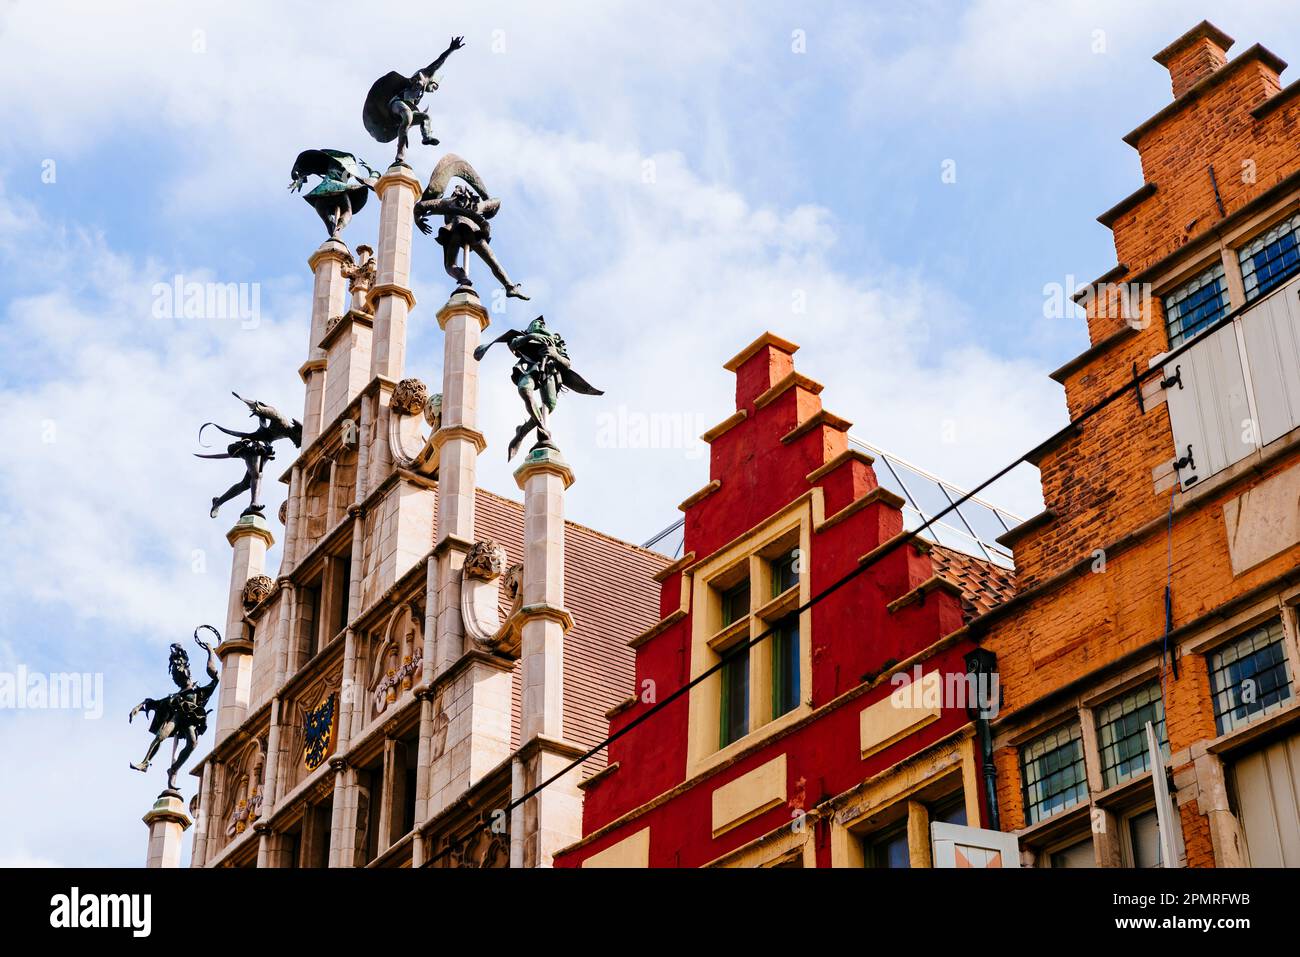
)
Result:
{"points": [[983, 585]]}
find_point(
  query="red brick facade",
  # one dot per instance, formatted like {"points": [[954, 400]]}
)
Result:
{"points": [[1221, 164]]}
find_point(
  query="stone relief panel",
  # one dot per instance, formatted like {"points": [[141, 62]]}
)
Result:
{"points": [[345, 484], [315, 511], [239, 804], [310, 731], [479, 837], [394, 657]]}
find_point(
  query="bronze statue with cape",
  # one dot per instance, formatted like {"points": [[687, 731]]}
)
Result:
{"points": [[542, 371], [343, 188], [466, 213], [392, 106]]}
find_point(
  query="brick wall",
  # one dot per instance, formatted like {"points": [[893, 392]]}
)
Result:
{"points": [[1105, 552]]}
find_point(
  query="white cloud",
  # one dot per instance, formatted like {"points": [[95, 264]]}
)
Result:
{"points": [[25, 860], [997, 54], [104, 508], [688, 272]]}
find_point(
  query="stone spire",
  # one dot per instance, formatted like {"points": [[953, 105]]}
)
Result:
{"points": [[167, 823], [398, 190], [250, 539], [329, 289], [551, 819]]}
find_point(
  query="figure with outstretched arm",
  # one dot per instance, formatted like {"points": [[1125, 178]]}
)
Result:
{"points": [[392, 106], [182, 715], [345, 184]]}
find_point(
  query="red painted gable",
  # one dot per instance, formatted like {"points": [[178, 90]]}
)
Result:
{"points": [[779, 446]]}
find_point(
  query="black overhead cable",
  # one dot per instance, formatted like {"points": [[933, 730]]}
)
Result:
{"points": [[886, 548]]}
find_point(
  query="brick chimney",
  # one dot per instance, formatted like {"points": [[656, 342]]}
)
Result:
{"points": [[1195, 55]]}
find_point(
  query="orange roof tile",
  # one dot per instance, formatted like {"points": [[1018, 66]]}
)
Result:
{"points": [[983, 584]]}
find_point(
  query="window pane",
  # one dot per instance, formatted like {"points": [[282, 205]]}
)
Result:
{"points": [[1144, 833], [1122, 736], [735, 603], [735, 699], [1196, 306], [889, 850], [784, 575], [950, 811], [785, 666], [1249, 677], [1076, 855], [1052, 767], [1271, 259]]}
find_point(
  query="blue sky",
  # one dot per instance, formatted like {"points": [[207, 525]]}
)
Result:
{"points": [[674, 180]]}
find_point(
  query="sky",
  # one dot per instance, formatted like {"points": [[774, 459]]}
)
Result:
{"points": [[900, 189]]}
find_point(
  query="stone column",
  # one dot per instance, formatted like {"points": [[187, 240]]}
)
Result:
{"points": [[288, 609], [293, 511], [343, 819], [268, 851], [271, 770], [208, 821], [472, 693], [459, 443], [544, 476], [398, 190], [329, 294], [250, 539], [551, 819], [199, 851], [423, 761], [167, 822]]}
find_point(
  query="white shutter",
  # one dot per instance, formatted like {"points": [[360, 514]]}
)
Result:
{"points": [[1271, 331], [1267, 793], [1208, 407], [956, 845]]}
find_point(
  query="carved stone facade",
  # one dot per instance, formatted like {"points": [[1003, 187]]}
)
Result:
{"points": [[371, 728], [394, 657], [309, 730]]}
